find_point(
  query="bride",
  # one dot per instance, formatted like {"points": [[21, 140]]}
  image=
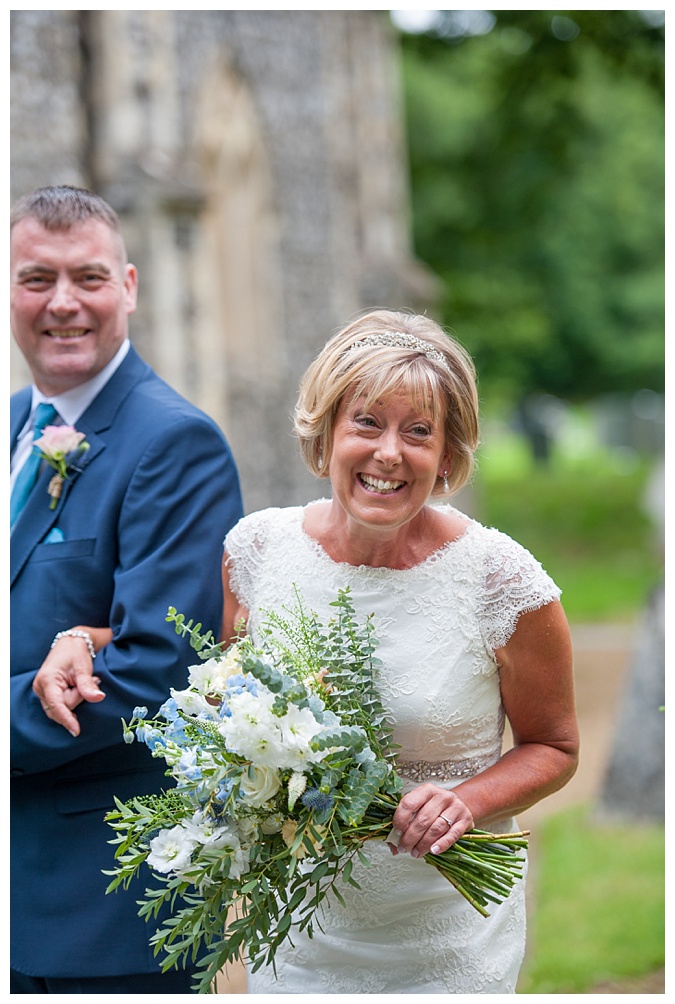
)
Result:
{"points": [[471, 632]]}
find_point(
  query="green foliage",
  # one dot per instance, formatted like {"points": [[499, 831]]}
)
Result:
{"points": [[584, 520], [537, 169], [204, 644], [598, 904], [283, 753]]}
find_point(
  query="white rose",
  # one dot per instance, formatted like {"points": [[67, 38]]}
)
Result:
{"points": [[272, 824], [248, 829], [259, 785], [211, 676], [230, 664]]}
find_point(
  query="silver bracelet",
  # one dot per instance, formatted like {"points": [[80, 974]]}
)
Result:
{"points": [[71, 633]]}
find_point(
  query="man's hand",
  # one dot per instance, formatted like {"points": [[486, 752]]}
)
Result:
{"points": [[66, 678]]}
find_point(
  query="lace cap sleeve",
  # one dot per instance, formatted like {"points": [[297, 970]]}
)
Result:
{"points": [[514, 583], [245, 545]]}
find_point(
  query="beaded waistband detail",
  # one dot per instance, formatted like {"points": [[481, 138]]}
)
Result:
{"points": [[443, 770]]}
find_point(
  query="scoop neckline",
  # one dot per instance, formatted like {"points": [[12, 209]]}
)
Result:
{"points": [[430, 559]]}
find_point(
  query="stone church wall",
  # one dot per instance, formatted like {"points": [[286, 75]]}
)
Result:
{"points": [[257, 161]]}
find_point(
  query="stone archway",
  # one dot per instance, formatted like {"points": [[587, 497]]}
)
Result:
{"points": [[238, 277]]}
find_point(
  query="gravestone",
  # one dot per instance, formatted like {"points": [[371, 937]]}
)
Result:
{"points": [[633, 790]]}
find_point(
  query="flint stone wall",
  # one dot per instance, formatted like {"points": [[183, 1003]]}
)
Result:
{"points": [[257, 161]]}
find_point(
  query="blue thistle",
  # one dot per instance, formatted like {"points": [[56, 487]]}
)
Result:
{"points": [[319, 801]]}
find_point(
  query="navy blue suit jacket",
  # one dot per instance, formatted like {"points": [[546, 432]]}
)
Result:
{"points": [[138, 528]]}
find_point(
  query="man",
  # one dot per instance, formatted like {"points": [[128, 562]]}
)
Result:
{"points": [[138, 525]]}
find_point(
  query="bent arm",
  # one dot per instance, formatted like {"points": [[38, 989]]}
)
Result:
{"points": [[158, 534], [235, 615], [537, 688]]}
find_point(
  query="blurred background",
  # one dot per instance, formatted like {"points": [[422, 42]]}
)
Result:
{"points": [[278, 171]]}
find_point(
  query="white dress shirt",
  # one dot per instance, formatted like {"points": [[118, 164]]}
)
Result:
{"points": [[70, 406]]}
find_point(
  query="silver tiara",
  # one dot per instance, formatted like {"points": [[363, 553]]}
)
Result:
{"points": [[402, 340]]}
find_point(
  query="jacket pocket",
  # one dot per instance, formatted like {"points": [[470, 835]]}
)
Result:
{"points": [[99, 793], [61, 550]]}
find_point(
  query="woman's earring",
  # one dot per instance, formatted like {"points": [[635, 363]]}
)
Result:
{"points": [[319, 462], [446, 486]]}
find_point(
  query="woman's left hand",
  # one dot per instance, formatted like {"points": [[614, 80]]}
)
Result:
{"points": [[429, 820]]}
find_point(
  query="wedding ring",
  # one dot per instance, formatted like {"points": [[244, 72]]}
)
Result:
{"points": [[448, 821]]}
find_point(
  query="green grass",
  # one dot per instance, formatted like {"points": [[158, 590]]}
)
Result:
{"points": [[584, 519], [597, 898], [598, 904]]}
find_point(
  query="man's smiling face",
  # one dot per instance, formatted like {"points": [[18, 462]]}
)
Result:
{"points": [[71, 294]]}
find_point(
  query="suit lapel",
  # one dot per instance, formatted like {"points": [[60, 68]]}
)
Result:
{"points": [[101, 413], [19, 410], [37, 518]]}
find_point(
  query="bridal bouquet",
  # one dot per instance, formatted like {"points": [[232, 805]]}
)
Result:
{"points": [[283, 767]]}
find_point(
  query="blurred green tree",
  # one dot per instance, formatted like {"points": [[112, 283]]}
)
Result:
{"points": [[536, 146]]}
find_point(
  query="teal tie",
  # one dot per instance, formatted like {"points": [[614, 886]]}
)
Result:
{"points": [[44, 414]]}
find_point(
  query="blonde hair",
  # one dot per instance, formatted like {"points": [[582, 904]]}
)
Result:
{"points": [[381, 352]]}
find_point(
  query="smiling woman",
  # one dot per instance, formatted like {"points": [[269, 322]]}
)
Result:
{"points": [[371, 359], [471, 631], [386, 459]]}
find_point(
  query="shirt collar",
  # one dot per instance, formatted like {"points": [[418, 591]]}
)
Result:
{"points": [[73, 403]]}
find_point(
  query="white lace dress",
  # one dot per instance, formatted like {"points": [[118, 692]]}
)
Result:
{"points": [[438, 624]]}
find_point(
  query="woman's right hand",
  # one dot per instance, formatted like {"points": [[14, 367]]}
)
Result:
{"points": [[66, 677]]}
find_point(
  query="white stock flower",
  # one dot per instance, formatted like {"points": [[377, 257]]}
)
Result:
{"points": [[259, 784], [171, 850], [230, 664], [204, 829], [299, 727], [237, 855], [194, 704], [268, 740], [251, 729], [248, 829]]}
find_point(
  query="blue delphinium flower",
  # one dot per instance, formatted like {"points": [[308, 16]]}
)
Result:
{"points": [[149, 735], [169, 710], [175, 731], [224, 791], [238, 683], [187, 769]]}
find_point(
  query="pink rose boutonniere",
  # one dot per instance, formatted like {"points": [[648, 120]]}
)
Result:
{"points": [[60, 446]]}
